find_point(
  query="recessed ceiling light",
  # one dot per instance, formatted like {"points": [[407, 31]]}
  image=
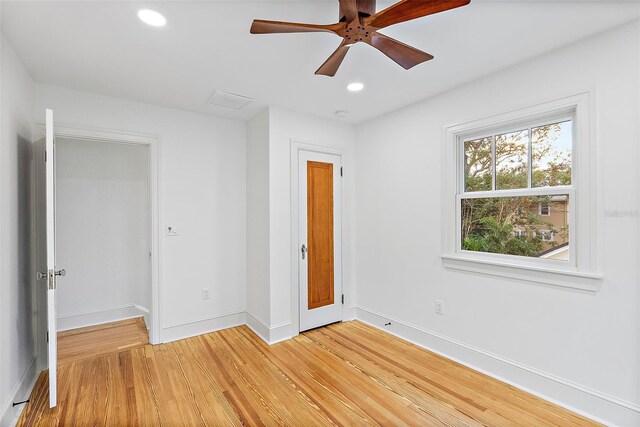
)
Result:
{"points": [[151, 17], [355, 87], [341, 114]]}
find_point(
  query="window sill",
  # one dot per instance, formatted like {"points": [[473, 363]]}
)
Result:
{"points": [[548, 276]]}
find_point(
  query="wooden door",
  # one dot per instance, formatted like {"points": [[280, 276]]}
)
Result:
{"points": [[320, 240]]}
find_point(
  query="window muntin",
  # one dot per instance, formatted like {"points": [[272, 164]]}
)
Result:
{"points": [[517, 185]]}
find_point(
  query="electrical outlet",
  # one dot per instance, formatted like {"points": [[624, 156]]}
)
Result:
{"points": [[439, 307], [206, 293]]}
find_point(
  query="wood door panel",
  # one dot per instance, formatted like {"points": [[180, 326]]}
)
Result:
{"points": [[320, 234]]}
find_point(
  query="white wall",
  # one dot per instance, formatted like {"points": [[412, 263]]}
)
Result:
{"points": [[287, 126], [258, 220], [580, 348], [272, 307], [202, 193], [17, 351], [102, 231]]}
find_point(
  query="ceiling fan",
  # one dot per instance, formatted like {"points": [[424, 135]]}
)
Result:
{"points": [[359, 22]]}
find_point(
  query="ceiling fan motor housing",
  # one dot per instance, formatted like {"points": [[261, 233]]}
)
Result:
{"points": [[365, 7]]}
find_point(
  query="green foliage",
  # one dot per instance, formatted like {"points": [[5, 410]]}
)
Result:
{"points": [[498, 238]]}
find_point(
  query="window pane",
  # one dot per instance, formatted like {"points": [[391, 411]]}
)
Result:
{"points": [[551, 154], [478, 165], [513, 226], [512, 165]]}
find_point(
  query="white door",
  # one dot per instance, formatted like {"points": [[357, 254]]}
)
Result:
{"points": [[49, 242], [320, 246]]}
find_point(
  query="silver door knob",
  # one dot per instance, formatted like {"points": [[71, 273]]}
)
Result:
{"points": [[40, 275], [61, 272], [304, 250]]}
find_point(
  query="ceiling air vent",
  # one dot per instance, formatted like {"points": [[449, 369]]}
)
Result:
{"points": [[228, 100]]}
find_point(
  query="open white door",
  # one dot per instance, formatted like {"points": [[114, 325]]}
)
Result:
{"points": [[51, 272], [320, 236]]}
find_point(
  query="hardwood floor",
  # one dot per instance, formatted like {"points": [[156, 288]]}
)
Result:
{"points": [[343, 374], [84, 343]]}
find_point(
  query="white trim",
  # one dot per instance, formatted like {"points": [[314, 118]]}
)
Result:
{"points": [[10, 414], [202, 327], [583, 254], [203, 319], [297, 145], [270, 334], [97, 317], [151, 141], [562, 392], [258, 326], [534, 274]]}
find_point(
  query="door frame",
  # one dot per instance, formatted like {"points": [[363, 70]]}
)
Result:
{"points": [[82, 133], [296, 147]]}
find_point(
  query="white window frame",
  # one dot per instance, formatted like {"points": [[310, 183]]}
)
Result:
{"points": [[582, 269], [548, 208], [552, 237], [520, 233]]}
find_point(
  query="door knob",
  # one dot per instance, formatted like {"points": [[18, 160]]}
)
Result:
{"points": [[304, 250], [61, 272], [40, 275]]}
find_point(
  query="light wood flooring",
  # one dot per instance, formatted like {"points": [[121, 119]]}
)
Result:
{"points": [[344, 374], [92, 341]]}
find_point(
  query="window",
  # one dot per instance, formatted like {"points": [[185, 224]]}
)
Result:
{"points": [[543, 209], [512, 181], [519, 195], [520, 234], [545, 235]]}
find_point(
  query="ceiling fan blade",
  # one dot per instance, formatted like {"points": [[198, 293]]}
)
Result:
{"points": [[260, 26], [407, 10], [403, 54], [332, 64], [348, 9]]}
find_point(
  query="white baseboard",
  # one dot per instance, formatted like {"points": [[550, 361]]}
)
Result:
{"points": [[269, 334], [590, 403], [203, 326], [98, 317], [258, 326], [9, 414], [349, 313]]}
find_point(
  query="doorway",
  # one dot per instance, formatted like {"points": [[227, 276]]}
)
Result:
{"points": [[98, 175], [102, 232], [320, 239]]}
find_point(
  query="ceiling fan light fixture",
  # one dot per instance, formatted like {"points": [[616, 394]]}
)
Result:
{"points": [[355, 87], [151, 17]]}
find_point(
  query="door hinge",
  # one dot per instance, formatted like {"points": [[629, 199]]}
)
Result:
{"points": [[45, 156], [343, 298], [47, 336], [340, 170]]}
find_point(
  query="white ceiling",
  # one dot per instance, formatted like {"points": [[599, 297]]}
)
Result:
{"points": [[102, 47]]}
